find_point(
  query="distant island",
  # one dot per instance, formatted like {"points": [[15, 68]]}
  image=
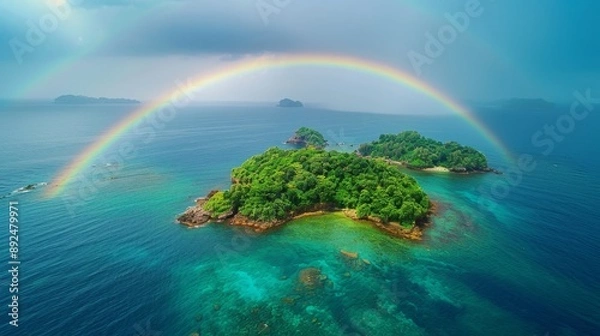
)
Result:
{"points": [[305, 136], [530, 104], [415, 151], [286, 102], [73, 99], [279, 185]]}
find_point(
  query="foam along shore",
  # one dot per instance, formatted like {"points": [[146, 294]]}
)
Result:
{"points": [[197, 216], [437, 170], [25, 189]]}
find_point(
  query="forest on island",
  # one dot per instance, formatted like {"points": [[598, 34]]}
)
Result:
{"points": [[280, 183], [419, 152], [310, 137]]}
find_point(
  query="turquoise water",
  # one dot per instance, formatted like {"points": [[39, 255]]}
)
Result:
{"points": [[116, 263]]}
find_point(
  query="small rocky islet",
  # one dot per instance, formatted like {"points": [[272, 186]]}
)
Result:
{"points": [[305, 136]]}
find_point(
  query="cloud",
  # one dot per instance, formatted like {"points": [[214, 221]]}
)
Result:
{"points": [[91, 4], [178, 33], [493, 58]]}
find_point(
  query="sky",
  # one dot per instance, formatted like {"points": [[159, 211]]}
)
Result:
{"points": [[141, 48]]}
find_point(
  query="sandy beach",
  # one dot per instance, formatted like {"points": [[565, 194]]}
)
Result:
{"points": [[437, 170]]}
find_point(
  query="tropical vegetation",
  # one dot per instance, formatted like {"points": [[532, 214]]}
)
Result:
{"points": [[417, 151], [280, 183], [309, 137]]}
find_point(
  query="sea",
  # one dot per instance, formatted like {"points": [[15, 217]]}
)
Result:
{"points": [[510, 254]]}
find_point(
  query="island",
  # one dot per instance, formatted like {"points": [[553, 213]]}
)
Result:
{"points": [[73, 99], [286, 102], [415, 151], [280, 185], [305, 137]]}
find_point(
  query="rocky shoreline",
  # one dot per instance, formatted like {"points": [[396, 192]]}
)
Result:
{"points": [[296, 140], [196, 216]]}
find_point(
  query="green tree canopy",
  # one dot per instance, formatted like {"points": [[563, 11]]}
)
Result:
{"points": [[310, 137], [280, 183], [418, 151]]}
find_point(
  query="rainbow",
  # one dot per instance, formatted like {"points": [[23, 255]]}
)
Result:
{"points": [[85, 158]]}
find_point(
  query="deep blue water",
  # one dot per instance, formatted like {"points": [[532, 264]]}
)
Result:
{"points": [[521, 260]]}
